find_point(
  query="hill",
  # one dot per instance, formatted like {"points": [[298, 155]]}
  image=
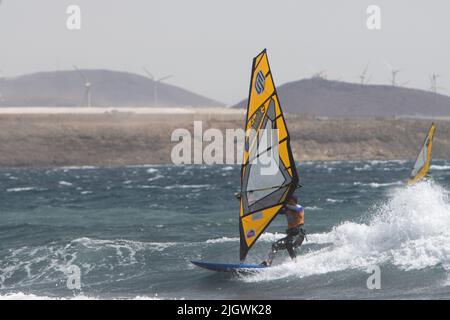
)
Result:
{"points": [[108, 88], [321, 97]]}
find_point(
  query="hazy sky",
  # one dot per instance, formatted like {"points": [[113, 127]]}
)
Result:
{"points": [[209, 45]]}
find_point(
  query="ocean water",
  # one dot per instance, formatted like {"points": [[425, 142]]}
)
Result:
{"points": [[132, 231]]}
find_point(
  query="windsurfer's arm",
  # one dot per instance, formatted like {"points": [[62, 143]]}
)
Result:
{"points": [[302, 215], [294, 207]]}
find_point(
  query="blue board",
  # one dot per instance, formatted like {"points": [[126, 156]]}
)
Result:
{"points": [[229, 267]]}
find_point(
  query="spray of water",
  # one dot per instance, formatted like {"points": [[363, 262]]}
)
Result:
{"points": [[411, 231]]}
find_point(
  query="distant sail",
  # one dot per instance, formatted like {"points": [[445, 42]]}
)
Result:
{"points": [[264, 188], [422, 164]]}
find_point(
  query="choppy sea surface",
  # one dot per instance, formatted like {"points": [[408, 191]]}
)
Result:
{"points": [[132, 231]]}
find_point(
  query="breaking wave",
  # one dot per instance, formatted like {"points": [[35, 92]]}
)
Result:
{"points": [[29, 296], [49, 263], [410, 231]]}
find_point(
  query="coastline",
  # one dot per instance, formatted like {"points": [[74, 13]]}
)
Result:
{"points": [[49, 137]]}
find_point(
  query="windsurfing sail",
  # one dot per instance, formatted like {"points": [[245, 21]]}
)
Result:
{"points": [[422, 164], [268, 174]]}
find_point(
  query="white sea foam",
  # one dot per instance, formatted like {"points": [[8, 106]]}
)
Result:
{"points": [[47, 263], [77, 168], [334, 200], [438, 167], [188, 186], [366, 167], [271, 237], [265, 237], [158, 176], [143, 186], [222, 240], [334, 162], [130, 245], [65, 183], [377, 162], [387, 184], [379, 185], [146, 187], [29, 296], [313, 208], [21, 189], [393, 169], [411, 231]]}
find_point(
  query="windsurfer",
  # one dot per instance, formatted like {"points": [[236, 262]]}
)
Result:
{"points": [[421, 167], [295, 216]]}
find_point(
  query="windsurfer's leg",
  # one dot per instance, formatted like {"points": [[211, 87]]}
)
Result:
{"points": [[291, 250], [276, 246], [290, 247], [299, 240]]}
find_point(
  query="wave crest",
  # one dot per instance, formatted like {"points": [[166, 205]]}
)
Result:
{"points": [[411, 230]]}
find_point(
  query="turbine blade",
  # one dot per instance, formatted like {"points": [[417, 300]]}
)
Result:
{"points": [[148, 73], [164, 78], [83, 76], [365, 69]]}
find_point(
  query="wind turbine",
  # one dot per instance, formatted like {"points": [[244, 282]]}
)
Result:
{"points": [[394, 73], [156, 81], [87, 87], [363, 75], [319, 75], [316, 74], [433, 79]]}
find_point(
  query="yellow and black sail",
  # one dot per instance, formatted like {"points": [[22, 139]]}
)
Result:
{"points": [[268, 175], [422, 164]]}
